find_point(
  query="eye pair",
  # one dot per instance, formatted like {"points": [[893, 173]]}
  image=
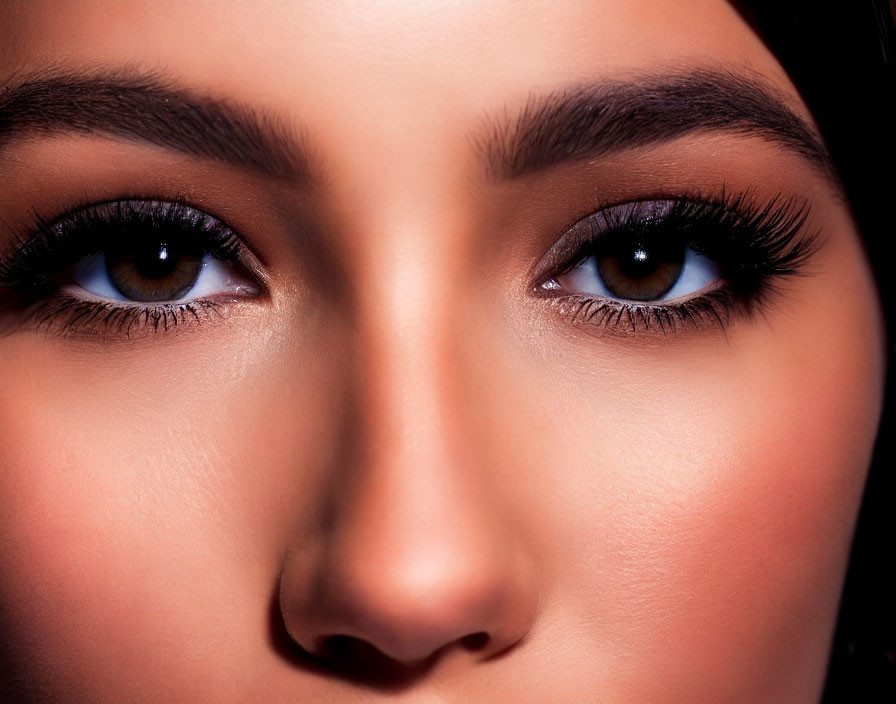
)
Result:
{"points": [[146, 266], [691, 260]]}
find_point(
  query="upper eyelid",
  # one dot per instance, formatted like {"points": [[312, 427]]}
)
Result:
{"points": [[788, 215], [574, 235], [561, 250], [51, 238], [582, 232]]}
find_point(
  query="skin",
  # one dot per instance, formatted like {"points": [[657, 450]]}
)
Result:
{"points": [[400, 442]]}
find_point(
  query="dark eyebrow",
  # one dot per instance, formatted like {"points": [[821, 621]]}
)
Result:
{"points": [[147, 108], [593, 121]]}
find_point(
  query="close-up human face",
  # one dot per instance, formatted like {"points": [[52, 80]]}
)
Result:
{"points": [[422, 352]]}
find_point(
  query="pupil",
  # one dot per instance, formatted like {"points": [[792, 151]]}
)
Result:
{"points": [[637, 263], [155, 261]]}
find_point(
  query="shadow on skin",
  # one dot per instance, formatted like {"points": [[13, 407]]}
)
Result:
{"points": [[354, 660]]}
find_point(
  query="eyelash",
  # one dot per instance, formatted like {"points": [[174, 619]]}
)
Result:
{"points": [[53, 245], [757, 243]]}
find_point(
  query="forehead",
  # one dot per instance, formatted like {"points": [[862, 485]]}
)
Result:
{"points": [[376, 61]]}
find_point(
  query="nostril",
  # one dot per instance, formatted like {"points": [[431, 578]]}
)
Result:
{"points": [[357, 660], [475, 641], [347, 652]]}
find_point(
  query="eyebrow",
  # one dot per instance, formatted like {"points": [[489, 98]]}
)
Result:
{"points": [[147, 108], [596, 120]]}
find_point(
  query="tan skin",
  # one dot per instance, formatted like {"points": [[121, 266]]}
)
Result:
{"points": [[398, 440]]}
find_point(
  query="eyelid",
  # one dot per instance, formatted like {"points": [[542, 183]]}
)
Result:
{"points": [[756, 242], [60, 241], [782, 219], [562, 254], [35, 272]]}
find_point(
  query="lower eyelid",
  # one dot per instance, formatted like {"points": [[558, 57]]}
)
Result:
{"points": [[713, 310], [64, 315]]}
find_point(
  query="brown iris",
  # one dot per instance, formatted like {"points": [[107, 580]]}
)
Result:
{"points": [[641, 270], [153, 270]]}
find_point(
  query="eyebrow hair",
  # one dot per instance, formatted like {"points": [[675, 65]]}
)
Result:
{"points": [[593, 121], [146, 108]]}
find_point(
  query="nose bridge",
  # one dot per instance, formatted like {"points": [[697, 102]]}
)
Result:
{"points": [[409, 377], [415, 556], [420, 510], [414, 447]]}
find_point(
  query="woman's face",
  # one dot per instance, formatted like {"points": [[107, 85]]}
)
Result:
{"points": [[497, 352]]}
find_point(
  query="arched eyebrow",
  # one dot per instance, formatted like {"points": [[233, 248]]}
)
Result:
{"points": [[596, 120], [147, 108], [560, 127]]}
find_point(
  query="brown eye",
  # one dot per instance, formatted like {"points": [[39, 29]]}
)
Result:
{"points": [[641, 271], [158, 269], [154, 270]]}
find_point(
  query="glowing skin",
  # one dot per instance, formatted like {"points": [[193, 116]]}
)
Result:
{"points": [[400, 442]]}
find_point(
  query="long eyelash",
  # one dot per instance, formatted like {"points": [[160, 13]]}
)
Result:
{"points": [[715, 308], [750, 236], [51, 245], [757, 243], [65, 314]]}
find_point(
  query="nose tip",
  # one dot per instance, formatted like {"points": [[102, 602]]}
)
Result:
{"points": [[408, 605]]}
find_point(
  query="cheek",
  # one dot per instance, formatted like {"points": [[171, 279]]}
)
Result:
{"points": [[700, 496], [93, 516], [739, 530], [144, 509]]}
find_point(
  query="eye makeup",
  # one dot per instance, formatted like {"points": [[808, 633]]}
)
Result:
{"points": [[641, 249], [115, 267], [118, 267]]}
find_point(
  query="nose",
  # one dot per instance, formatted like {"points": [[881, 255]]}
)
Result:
{"points": [[418, 556], [410, 579]]}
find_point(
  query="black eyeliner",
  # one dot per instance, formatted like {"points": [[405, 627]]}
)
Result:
{"points": [[52, 245], [29, 275], [756, 242]]}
